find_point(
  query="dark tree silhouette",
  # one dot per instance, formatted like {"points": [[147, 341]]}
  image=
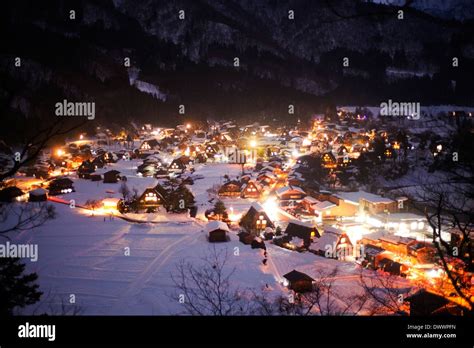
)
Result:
{"points": [[17, 289], [35, 142], [220, 210]]}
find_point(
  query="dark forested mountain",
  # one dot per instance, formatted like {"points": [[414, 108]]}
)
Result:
{"points": [[448, 9], [190, 61]]}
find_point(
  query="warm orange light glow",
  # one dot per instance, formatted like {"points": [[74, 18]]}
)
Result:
{"points": [[233, 217], [109, 206], [151, 197], [271, 208]]}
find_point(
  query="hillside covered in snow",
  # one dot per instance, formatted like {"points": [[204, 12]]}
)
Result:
{"points": [[141, 61]]}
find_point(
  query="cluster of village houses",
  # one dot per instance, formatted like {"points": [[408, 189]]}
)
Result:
{"points": [[285, 207]]}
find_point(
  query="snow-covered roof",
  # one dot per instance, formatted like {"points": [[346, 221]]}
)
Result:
{"points": [[296, 140], [395, 217], [252, 182], [216, 225], [152, 158], [396, 239], [257, 206], [38, 192], [372, 250], [269, 167], [327, 240], [285, 189], [297, 175], [302, 223], [356, 197], [295, 275], [268, 174], [377, 234], [324, 205], [333, 230], [311, 200]]}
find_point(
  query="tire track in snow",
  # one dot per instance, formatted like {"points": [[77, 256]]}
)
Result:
{"points": [[275, 270], [156, 264]]}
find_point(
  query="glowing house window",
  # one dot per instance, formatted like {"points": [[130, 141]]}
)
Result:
{"points": [[151, 197], [261, 222]]}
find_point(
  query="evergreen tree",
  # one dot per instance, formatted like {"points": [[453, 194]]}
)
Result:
{"points": [[16, 288], [379, 147], [220, 209], [278, 231]]}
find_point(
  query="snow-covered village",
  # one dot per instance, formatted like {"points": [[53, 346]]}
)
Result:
{"points": [[294, 164], [338, 204]]}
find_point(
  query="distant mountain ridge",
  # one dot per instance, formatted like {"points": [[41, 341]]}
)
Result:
{"points": [[191, 61], [447, 9]]}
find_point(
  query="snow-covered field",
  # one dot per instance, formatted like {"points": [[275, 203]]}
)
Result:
{"points": [[87, 257]]}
